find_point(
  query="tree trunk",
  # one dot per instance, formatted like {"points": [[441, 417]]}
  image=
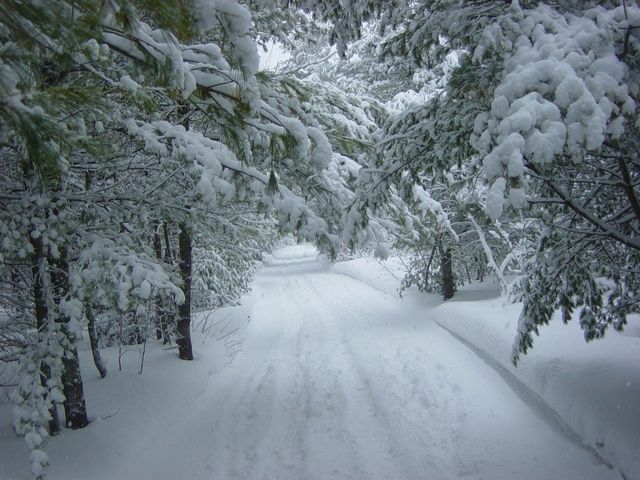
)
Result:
{"points": [[427, 270], [168, 255], [157, 248], [185, 350], [448, 284], [42, 321], [169, 310], [75, 409], [480, 262], [93, 340]]}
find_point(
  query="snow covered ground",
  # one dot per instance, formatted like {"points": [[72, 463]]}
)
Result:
{"points": [[589, 391], [319, 374], [594, 388]]}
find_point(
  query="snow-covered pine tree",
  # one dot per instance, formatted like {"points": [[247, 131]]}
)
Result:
{"points": [[541, 106], [152, 84], [562, 129], [44, 107]]}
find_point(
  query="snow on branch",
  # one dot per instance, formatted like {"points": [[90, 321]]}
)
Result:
{"points": [[563, 93], [217, 171]]}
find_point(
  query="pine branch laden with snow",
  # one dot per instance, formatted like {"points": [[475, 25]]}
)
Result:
{"points": [[38, 394], [563, 124], [225, 258], [573, 288], [219, 172], [339, 127], [547, 100], [311, 146], [110, 273], [564, 92], [204, 66]]}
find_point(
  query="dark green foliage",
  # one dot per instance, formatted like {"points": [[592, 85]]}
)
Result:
{"points": [[562, 276]]}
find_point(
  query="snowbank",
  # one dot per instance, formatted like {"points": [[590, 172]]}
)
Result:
{"points": [[383, 275], [137, 419], [594, 388]]}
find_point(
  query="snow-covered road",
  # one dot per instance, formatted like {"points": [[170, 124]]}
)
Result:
{"points": [[316, 376], [337, 380]]}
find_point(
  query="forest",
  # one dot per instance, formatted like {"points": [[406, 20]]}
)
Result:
{"points": [[149, 162]]}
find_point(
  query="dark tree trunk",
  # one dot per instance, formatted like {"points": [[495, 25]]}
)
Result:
{"points": [[16, 282], [167, 317], [93, 340], [480, 262], [185, 350], [75, 409], [157, 248], [42, 320], [168, 255], [427, 270], [448, 283]]}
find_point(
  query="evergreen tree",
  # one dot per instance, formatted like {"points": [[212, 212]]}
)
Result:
{"points": [[540, 109]]}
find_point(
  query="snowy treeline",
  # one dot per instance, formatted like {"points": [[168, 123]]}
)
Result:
{"points": [[510, 145], [147, 163]]}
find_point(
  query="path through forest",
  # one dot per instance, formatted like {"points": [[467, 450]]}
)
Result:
{"points": [[323, 377], [337, 380]]}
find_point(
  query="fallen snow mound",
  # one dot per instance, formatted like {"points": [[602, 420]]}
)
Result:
{"points": [[594, 388], [291, 255]]}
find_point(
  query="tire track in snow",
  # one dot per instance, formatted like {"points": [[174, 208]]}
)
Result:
{"points": [[324, 401], [293, 453], [249, 410], [360, 384], [305, 398], [391, 411]]}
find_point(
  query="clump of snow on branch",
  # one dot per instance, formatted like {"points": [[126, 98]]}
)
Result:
{"points": [[427, 205], [564, 91], [115, 275], [34, 400], [235, 20]]}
